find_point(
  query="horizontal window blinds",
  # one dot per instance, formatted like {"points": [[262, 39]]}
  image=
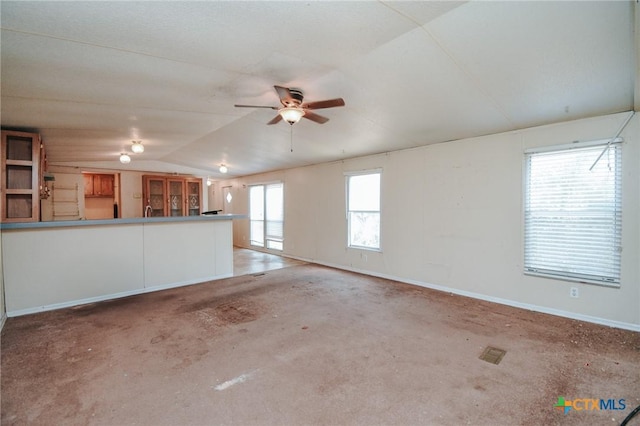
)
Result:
{"points": [[573, 220], [275, 211]]}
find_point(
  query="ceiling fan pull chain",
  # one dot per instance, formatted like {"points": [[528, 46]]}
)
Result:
{"points": [[291, 139]]}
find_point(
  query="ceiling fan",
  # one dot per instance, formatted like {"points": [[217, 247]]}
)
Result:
{"points": [[293, 109]]}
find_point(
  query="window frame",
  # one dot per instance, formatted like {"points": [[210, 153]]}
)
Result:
{"points": [[615, 211], [349, 175], [266, 238]]}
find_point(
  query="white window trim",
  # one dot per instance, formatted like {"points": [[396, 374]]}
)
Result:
{"points": [[347, 175], [264, 246], [553, 274], [573, 145]]}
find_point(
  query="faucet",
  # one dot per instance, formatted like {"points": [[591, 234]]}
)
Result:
{"points": [[148, 211]]}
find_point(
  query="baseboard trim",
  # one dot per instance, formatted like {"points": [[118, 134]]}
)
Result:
{"points": [[479, 296], [102, 298]]}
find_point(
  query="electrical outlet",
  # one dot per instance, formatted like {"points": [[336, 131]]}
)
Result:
{"points": [[573, 292]]}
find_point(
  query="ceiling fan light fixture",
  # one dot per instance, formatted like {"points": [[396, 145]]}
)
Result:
{"points": [[137, 147], [291, 114], [124, 158], [223, 168]]}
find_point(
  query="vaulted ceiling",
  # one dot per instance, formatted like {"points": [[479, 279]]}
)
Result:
{"points": [[91, 77]]}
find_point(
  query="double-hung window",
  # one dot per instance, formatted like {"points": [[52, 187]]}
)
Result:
{"points": [[363, 209], [573, 213], [266, 214]]}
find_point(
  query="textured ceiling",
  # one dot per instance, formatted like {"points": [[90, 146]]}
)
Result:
{"points": [[93, 76]]}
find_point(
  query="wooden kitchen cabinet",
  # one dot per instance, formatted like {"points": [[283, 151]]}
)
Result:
{"points": [[194, 197], [98, 185], [155, 196], [175, 188], [171, 196], [21, 176]]}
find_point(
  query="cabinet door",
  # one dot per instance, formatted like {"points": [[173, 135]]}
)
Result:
{"points": [[97, 185], [103, 185], [20, 176], [88, 185], [194, 197], [176, 197], [155, 196]]}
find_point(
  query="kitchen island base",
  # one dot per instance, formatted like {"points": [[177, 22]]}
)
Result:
{"points": [[60, 265]]}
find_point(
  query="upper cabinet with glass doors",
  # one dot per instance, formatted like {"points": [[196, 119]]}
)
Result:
{"points": [[171, 196]]}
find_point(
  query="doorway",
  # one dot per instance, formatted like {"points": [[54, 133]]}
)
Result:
{"points": [[101, 195]]}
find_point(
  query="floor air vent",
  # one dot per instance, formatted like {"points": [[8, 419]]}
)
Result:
{"points": [[492, 355]]}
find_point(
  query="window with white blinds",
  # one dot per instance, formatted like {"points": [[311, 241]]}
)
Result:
{"points": [[573, 215], [274, 213]]}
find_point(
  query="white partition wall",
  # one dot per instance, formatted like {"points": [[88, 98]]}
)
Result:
{"points": [[49, 267], [175, 254]]}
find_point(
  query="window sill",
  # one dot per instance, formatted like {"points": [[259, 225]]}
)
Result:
{"points": [[365, 248], [572, 279]]}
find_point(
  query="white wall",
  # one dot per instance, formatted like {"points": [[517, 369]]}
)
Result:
{"points": [[131, 194], [98, 208], [452, 219]]}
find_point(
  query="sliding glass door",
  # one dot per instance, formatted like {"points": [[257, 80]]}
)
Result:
{"points": [[266, 213]]}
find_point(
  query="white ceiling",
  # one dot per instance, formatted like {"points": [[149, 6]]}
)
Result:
{"points": [[93, 76]]}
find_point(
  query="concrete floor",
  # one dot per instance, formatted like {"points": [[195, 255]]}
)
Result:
{"points": [[307, 344]]}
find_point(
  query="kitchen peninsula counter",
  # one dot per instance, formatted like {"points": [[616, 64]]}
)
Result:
{"points": [[51, 265]]}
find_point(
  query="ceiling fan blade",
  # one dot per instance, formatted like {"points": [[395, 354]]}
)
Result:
{"points": [[329, 103], [255, 106], [283, 92], [275, 119], [315, 117]]}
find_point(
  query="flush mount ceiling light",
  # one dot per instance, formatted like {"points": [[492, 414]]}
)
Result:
{"points": [[223, 168], [137, 147], [291, 114], [124, 158], [209, 181]]}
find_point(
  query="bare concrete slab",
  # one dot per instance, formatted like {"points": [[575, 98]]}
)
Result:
{"points": [[310, 345]]}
